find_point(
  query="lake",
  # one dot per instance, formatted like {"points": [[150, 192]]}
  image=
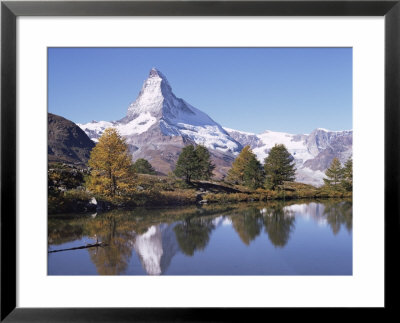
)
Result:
{"points": [[274, 238]]}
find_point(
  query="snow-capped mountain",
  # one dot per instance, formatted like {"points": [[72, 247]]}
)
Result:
{"points": [[158, 124], [312, 152], [158, 106]]}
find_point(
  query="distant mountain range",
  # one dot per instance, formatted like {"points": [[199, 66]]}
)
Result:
{"points": [[158, 125], [313, 153]]}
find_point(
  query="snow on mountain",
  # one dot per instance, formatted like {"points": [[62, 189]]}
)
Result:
{"points": [[151, 97], [297, 147], [262, 143], [158, 105], [312, 153], [94, 129], [139, 125]]}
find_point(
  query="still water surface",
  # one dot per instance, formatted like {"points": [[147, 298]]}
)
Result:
{"points": [[277, 238]]}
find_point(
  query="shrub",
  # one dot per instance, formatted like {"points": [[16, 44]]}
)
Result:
{"points": [[70, 201], [76, 194], [153, 197]]}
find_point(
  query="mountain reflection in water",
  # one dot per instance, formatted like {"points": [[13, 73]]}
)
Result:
{"points": [[154, 237]]}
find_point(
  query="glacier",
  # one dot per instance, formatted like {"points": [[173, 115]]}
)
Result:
{"points": [[312, 152]]}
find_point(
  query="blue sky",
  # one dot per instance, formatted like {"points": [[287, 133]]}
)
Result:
{"points": [[293, 90]]}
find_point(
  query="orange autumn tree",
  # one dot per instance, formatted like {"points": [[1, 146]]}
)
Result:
{"points": [[112, 176], [237, 172]]}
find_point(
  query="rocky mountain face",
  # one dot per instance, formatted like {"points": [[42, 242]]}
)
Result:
{"points": [[158, 125], [67, 142], [325, 145], [313, 153]]}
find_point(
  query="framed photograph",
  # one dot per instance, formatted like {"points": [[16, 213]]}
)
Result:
{"points": [[186, 157]]}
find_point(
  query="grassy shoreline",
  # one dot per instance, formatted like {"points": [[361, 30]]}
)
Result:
{"points": [[67, 193]]}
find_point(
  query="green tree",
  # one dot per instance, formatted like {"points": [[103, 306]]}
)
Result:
{"points": [[347, 181], [111, 176], [253, 173], [334, 174], [142, 166], [279, 167], [206, 167], [236, 173], [194, 163]]}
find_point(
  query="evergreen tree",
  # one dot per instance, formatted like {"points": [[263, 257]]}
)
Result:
{"points": [[279, 167], [253, 174], [186, 166], [334, 174], [111, 176], [347, 181], [142, 166], [194, 163], [246, 169], [236, 172], [206, 167]]}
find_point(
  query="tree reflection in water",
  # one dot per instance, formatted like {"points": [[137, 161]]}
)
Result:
{"points": [[248, 224], [279, 224], [118, 234], [193, 234], [338, 214], [156, 235]]}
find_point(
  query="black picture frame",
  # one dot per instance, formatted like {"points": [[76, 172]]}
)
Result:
{"points": [[10, 10]]}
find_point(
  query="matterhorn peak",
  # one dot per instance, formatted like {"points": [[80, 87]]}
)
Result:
{"points": [[154, 92], [156, 73], [157, 76], [159, 116], [153, 72]]}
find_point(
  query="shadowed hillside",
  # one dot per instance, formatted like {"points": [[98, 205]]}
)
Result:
{"points": [[67, 142]]}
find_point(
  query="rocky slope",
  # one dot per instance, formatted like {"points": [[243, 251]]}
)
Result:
{"points": [[67, 142]]}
